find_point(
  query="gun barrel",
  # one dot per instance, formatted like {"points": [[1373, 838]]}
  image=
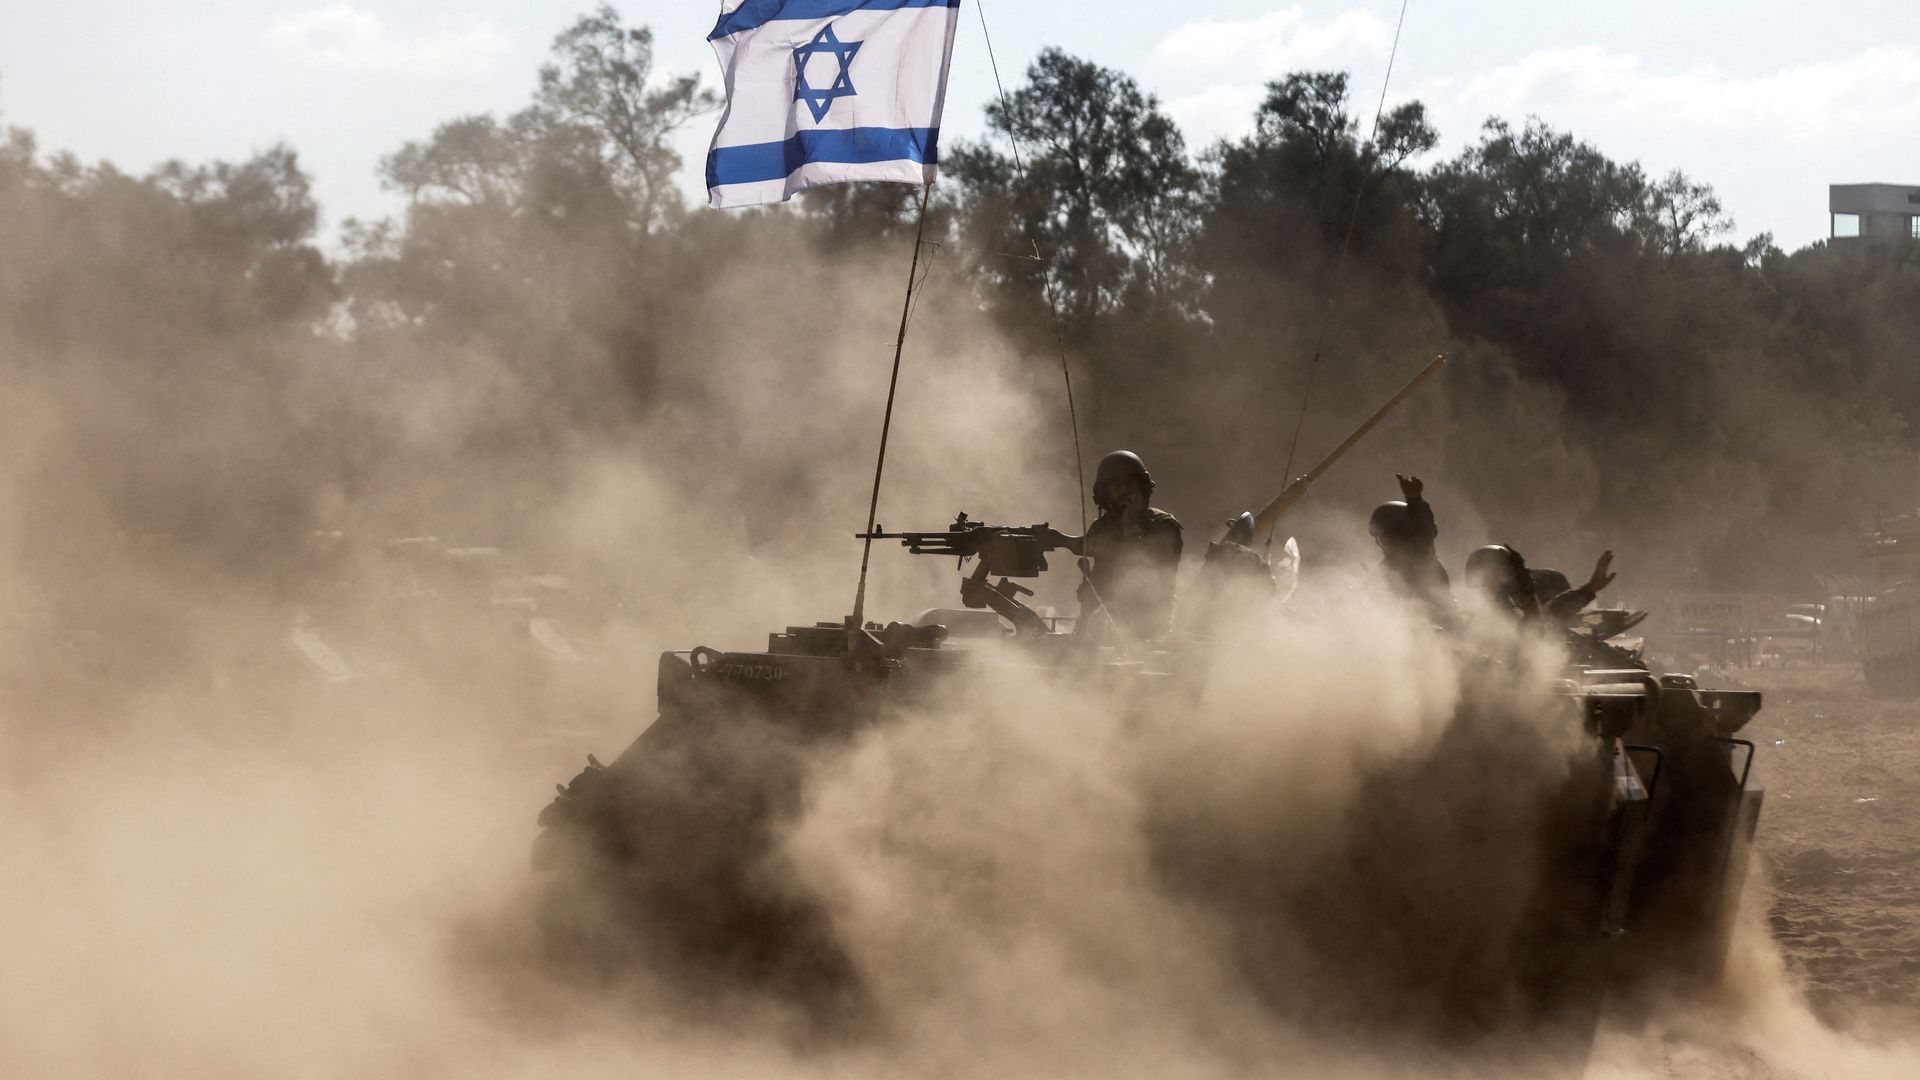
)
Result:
{"points": [[1297, 489], [929, 543]]}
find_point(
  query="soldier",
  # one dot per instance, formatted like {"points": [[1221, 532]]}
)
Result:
{"points": [[1134, 551], [1235, 579], [1405, 531], [1501, 574], [1234, 560]]}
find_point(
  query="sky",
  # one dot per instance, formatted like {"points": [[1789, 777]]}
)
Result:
{"points": [[1768, 103]]}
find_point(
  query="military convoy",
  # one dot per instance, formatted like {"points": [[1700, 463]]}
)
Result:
{"points": [[658, 860]]}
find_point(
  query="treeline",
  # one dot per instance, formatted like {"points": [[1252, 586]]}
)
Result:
{"points": [[1734, 414], [1622, 374]]}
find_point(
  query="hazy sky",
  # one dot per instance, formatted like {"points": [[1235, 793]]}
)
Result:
{"points": [[1767, 102]]}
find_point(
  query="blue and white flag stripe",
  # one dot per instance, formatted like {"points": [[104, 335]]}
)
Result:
{"points": [[826, 91], [759, 162], [754, 13]]}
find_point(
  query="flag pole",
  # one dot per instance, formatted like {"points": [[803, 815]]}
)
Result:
{"points": [[856, 624]]}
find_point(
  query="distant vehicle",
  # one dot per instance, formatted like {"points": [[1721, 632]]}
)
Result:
{"points": [[1802, 639]]}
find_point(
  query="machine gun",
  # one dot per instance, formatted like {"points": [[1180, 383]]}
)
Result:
{"points": [[1010, 551]]}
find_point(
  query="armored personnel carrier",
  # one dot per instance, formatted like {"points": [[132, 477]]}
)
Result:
{"points": [[664, 858]]}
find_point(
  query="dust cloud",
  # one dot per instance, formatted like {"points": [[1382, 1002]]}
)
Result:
{"points": [[277, 734]]}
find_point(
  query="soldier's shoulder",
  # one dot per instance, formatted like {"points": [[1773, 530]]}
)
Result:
{"points": [[1230, 552], [1162, 519]]}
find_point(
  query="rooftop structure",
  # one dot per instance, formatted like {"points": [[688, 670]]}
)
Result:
{"points": [[1873, 213]]}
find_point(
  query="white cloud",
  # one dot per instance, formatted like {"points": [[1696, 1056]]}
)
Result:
{"points": [[1223, 110], [1795, 124], [1869, 96], [1257, 50], [1769, 142], [343, 37], [1270, 45]]}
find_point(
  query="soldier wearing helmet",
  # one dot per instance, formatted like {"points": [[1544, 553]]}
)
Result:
{"points": [[1405, 531], [1235, 580], [1499, 573], [1133, 552]]}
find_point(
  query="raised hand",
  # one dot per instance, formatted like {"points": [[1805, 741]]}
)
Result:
{"points": [[1410, 486], [1602, 573]]}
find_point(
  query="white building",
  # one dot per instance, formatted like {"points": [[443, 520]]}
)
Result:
{"points": [[1873, 213]]}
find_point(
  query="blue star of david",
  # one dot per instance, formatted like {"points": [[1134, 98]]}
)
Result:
{"points": [[819, 101]]}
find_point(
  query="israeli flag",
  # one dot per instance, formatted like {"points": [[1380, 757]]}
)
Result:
{"points": [[826, 91]]}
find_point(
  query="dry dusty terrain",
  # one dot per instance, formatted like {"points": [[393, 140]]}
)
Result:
{"points": [[1841, 840]]}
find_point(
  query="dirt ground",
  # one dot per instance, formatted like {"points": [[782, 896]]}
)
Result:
{"points": [[1840, 839]]}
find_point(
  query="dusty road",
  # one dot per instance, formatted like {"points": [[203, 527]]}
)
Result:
{"points": [[1840, 838]]}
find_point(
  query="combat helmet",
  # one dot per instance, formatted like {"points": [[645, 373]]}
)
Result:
{"points": [[1117, 466], [1240, 530], [1391, 520], [1495, 563]]}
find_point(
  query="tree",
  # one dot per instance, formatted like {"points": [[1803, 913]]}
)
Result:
{"points": [[472, 159], [598, 83], [1304, 175], [1679, 215], [16, 154], [596, 132], [1287, 201], [1307, 110], [1107, 192], [1403, 134], [257, 218], [850, 213], [1547, 195]]}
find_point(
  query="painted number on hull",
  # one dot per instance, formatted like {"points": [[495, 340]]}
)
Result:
{"points": [[764, 673]]}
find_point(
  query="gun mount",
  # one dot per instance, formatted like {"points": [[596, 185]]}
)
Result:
{"points": [[1009, 551]]}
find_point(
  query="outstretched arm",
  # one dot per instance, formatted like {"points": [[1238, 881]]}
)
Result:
{"points": [[1564, 607], [1602, 573], [1422, 525]]}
